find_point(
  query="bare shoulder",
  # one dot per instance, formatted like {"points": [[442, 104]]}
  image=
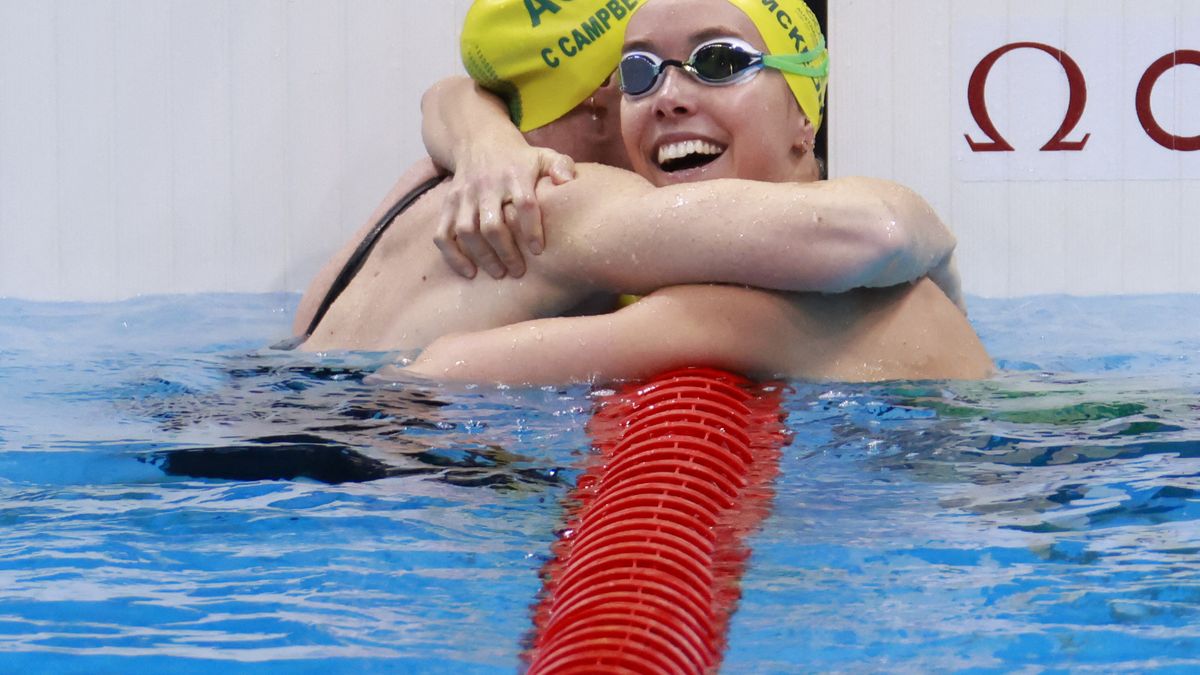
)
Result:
{"points": [[593, 183], [923, 335], [926, 298], [904, 332], [420, 172], [593, 212]]}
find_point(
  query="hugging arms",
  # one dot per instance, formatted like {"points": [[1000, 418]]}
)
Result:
{"points": [[610, 231]]}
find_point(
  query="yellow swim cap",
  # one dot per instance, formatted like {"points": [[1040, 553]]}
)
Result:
{"points": [[543, 57], [790, 27]]}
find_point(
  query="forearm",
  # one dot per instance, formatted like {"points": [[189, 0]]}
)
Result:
{"points": [[626, 345], [458, 117], [918, 242], [826, 237], [546, 351], [861, 233]]}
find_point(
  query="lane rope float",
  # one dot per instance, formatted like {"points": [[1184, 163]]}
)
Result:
{"points": [[646, 574]]}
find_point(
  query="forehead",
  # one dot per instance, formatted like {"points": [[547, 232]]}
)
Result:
{"points": [[674, 27]]}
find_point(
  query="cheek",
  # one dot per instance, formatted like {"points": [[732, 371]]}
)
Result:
{"points": [[632, 127], [758, 154], [764, 127]]}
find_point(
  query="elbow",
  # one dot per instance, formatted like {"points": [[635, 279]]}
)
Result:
{"points": [[918, 221], [892, 237], [431, 96], [872, 249], [875, 246], [439, 361], [434, 95], [904, 237]]}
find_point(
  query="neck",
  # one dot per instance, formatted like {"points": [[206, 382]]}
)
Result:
{"points": [[807, 169]]}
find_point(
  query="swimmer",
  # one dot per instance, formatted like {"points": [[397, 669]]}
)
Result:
{"points": [[612, 231], [761, 124]]}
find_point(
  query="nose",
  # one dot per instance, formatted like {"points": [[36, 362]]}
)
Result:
{"points": [[676, 96]]}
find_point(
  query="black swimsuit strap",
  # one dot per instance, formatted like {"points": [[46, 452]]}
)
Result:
{"points": [[359, 257]]}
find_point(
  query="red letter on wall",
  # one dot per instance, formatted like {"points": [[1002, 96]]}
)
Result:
{"points": [[1075, 108], [1146, 88]]}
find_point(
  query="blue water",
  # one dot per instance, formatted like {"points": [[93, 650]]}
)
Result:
{"points": [[1043, 521]]}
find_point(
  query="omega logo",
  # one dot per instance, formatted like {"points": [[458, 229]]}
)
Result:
{"points": [[1077, 102]]}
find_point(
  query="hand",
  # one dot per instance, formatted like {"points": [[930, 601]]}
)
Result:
{"points": [[492, 205]]}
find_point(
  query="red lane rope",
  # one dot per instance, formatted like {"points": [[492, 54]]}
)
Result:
{"points": [[646, 575]]}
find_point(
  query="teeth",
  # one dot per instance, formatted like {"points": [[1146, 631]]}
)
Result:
{"points": [[684, 148]]}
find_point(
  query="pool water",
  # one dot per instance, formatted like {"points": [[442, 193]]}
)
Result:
{"points": [[174, 498]]}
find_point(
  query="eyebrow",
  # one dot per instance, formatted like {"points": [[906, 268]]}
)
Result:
{"points": [[698, 37]]}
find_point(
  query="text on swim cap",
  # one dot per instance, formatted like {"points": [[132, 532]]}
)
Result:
{"points": [[786, 23], [588, 32], [542, 6]]}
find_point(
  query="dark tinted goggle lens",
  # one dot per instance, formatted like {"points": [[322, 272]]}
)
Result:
{"points": [[720, 62], [715, 63], [638, 74]]}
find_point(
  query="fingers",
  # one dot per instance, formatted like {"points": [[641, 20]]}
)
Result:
{"points": [[490, 216], [524, 216], [472, 241], [560, 168], [497, 233], [510, 213], [473, 232], [447, 243]]}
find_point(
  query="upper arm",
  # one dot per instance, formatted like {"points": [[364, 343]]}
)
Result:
{"points": [[416, 174]]}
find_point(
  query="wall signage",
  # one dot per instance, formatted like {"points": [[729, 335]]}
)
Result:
{"points": [[1099, 96], [1077, 82]]}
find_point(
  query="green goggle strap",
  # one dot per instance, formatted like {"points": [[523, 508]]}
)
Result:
{"points": [[798, 64]]}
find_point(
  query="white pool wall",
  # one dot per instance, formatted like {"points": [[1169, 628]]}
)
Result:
{"points": [[1120, 217], [178, 146]]}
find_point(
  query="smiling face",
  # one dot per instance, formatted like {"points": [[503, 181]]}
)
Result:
{"points": [[685, 130]]}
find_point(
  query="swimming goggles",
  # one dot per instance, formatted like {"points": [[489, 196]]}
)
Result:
{"points": [[717, 62]]}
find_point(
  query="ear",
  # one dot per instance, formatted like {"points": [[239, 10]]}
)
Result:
{"points": [[608, 95], [805, 137]]}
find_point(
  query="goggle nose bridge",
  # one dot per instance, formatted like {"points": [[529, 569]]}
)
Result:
{"points": [[658, 67]]}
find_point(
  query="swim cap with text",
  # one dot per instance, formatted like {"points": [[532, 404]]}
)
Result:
{"points": [[790, 27], [543, 57]]}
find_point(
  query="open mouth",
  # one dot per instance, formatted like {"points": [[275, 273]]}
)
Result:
{"points": [[685, 155]]}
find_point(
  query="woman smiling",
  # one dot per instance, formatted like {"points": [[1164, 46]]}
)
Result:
{"points": [[718, 92]]}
